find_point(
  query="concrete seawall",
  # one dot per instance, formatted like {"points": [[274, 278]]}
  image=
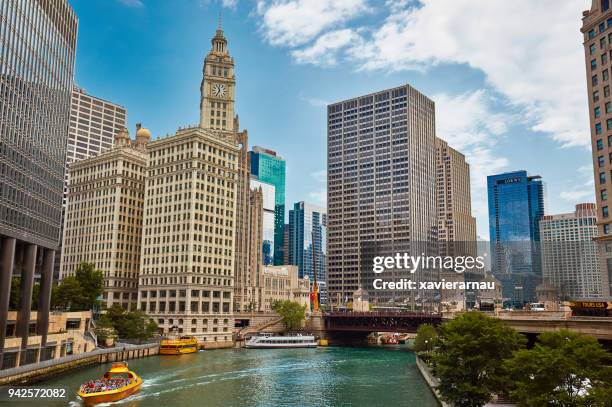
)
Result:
{"points": [[431, 380], [35, 372]]}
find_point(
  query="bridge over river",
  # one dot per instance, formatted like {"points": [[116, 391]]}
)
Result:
{"points": [[358, 324]]}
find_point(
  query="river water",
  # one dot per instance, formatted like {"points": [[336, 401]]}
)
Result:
{"points": [[334, 376]]}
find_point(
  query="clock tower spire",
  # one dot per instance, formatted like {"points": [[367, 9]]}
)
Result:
{"points": [[218, 86]]}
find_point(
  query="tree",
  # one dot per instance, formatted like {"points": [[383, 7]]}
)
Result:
{"points": [[91, 281], [81, 291], [129, 325], [564, 368], [292, 312], [15, 296], [468, 358], [425, 338]]}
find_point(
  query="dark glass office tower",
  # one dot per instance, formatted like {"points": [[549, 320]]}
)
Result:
{"points": [[37, 52], [516, 206]]}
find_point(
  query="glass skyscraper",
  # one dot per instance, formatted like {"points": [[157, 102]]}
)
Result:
{"points": [[516, 206], [308, 240], [269, 167], [37, 52]]}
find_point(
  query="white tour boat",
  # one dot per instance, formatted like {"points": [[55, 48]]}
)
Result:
{"points": [[270, 341]]}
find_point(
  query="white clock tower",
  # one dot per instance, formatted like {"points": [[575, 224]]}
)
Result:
{"points": [[218, 87]]}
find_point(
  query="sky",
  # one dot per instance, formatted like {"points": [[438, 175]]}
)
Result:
{"points": [[508, 77]]}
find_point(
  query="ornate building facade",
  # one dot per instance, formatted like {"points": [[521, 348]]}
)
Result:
{"points": [[104, 216]]}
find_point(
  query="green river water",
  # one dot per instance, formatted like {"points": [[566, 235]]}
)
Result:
{"points": [[334, 376]]}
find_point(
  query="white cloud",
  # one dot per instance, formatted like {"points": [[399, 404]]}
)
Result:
{"points": [[576, 195], [530, 52], [324, 50], [467, 122], [319, 197], [232, 4], [296, 22], [582, 190], [131, 3]]}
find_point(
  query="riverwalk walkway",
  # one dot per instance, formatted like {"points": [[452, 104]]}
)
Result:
{"points": [[38, 371]]}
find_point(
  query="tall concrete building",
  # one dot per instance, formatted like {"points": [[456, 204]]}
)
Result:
{"points": [[381, 197], [516, 206], [456, 225], [455, 220], [104, 215], [94, 123], [268, 218], [269, 167], [569, 253], [597, 30], [36, 76], [189, 234]]}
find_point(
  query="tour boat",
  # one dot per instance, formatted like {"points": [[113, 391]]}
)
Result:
{"points": [[118, 383], [389, 340], [269, 341], [184, 344]]}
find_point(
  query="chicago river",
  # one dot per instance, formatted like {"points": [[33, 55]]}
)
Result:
{"points": [[331, 376]]}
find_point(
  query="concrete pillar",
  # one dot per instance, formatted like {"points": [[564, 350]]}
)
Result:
{"points": [[7, 256], [25, 298], [44, 298]]}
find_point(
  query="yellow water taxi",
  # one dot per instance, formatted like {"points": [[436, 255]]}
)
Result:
{"points": [[118, 383], [184, 344]]}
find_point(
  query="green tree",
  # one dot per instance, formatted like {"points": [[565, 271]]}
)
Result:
{"points": [[129, 325], [468, 358], [91, 281], [81, 291], [564, 368], [425, 338], [292, 312], [16, 294]]}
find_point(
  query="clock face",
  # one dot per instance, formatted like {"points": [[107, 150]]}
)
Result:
{"points": [[219, 90]]}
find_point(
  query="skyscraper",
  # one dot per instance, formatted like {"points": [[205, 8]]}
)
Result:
{"points": [[268, 218], [308, 243], [94, 123], [455, 220], [381, 167], [569, 254], [269, 167], [36, 77], [597, 32], [189, 234], [104, 215], [516, 206], [308, 240], [456, 225]]}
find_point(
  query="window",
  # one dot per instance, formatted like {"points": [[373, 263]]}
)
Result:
{"points": [[605, 75], [593, 64], [605, 4], [604, 211], [602, 42], [604, 59], [602, 27], [604, 194], [597, 112], [598, 128], [595, 97], [608, 107], [592, 49], [591, 33], [606, 91], [606, 230], [602, 177], [594, 80], [601, 161], [600, 145]]}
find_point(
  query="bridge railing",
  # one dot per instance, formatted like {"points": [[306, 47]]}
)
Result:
{"points": [[383, 314]]}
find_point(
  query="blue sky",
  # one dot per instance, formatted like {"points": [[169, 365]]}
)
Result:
{"points": [[510, 90]]}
